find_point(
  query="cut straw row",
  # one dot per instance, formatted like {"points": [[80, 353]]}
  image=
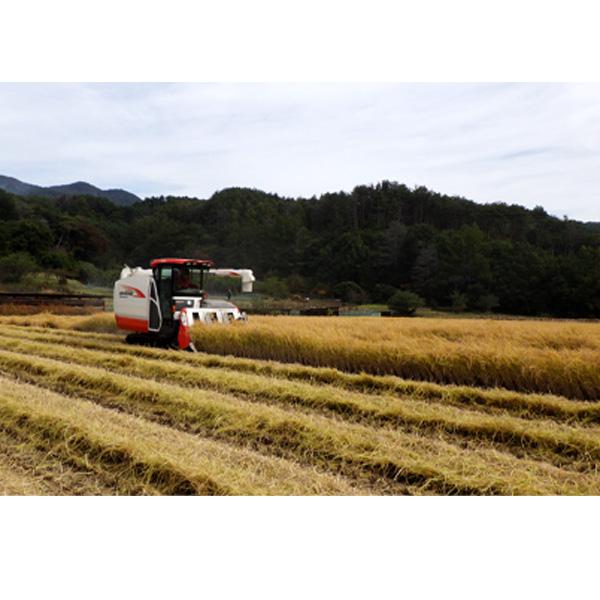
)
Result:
{"points": [[363, 453]]}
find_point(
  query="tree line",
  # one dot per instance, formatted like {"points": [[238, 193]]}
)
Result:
{"points": [[362, 246]]}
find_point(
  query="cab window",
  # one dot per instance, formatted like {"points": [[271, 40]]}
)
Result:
{"points": [[186, 281]]}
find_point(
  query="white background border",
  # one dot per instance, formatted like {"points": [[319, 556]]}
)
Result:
{"points": [[308, 40], [298, 547]]}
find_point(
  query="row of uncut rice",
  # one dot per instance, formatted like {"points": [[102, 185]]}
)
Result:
{"points": [[271, 417], [542, 334], [494, 401], [549, 357], [558, 357], [97, 322], [59, 309]]}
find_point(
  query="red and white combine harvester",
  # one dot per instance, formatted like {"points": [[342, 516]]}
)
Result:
{"points": [[160, 304]]}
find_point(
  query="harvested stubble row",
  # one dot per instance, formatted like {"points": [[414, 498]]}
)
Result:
{"points": [[15, 481], [386, 459], [531, 406], [562, 445], [143, 457], [27, 469]]}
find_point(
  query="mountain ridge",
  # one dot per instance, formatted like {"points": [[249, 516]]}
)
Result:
{"points": [[15, 186]]}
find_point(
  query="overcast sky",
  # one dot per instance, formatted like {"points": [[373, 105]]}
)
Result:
{"points": [[529, 144]]}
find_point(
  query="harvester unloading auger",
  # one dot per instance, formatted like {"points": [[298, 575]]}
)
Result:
{"points": [[160, 304]]}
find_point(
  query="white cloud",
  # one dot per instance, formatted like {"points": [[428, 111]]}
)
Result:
{"points": [[531, 144]]}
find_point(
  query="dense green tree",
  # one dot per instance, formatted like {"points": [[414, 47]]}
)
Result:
{"points": [[453, 252], [30, 236], [404, 302], [13, 267], [8, 208]]}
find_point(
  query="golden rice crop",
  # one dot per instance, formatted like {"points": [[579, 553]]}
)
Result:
{"points": [[293, 405], [98, 322], [55, 309], [148, 458], [524, 405], [549, 357], [363, 453], [408, 411], [534, 356]]}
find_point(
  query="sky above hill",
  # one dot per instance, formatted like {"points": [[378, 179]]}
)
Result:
{"points": [[529, 144]]}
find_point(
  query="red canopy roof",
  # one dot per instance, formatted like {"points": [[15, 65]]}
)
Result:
{"points": [[189, 262]]}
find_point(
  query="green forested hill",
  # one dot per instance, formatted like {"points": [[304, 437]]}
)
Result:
{"points": [[362, 245]]}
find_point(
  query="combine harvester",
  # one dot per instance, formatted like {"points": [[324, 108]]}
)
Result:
{"points": [[160, 304]]}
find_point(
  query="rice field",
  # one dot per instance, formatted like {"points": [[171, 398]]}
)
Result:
{"points": [[557, 357], [301, 406]]}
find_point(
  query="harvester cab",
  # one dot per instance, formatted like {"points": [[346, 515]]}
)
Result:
{"points": [[160, 304]]}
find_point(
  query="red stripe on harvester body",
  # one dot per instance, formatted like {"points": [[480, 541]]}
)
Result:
{"points": [[130, 324], [135, 292], [183, 335]]}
